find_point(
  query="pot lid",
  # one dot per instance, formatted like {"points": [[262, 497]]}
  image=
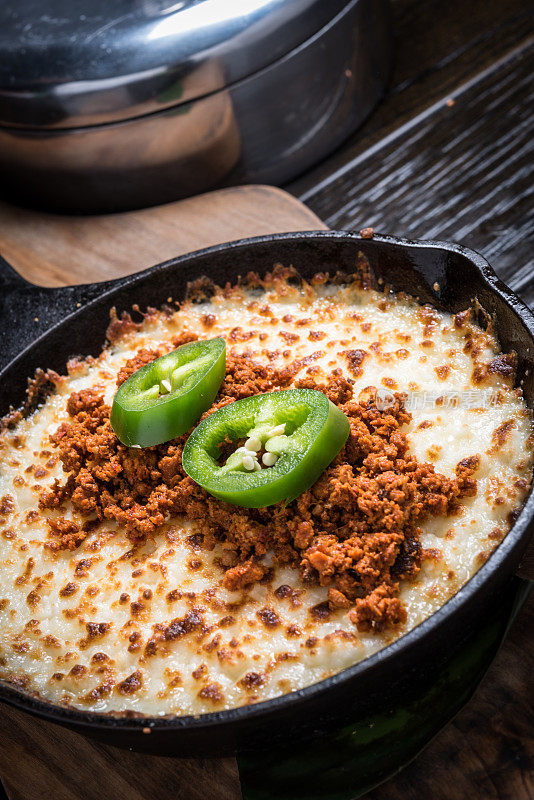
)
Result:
{"points": [[68, 63]]}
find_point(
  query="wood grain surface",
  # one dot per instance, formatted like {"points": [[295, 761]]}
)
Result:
{"points": [[51, 249], [461, 171], [438, 47], [43, 761], [449, 155]]}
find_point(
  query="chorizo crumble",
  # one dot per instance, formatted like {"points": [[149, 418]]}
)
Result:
{"points": [[356, 531]]}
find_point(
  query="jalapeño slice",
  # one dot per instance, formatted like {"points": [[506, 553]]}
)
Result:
{"points": [[287, 440], [166, 397]]}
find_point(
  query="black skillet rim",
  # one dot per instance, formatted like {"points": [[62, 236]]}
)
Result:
{"points": [[503, 554]]}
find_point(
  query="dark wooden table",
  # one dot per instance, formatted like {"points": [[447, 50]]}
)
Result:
{"points": [[449, 155], [449, 152]]}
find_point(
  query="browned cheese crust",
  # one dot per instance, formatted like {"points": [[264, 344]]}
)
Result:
{"points": [[355, 531]]}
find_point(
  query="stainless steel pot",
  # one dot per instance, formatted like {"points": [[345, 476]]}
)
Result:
{"points": [[136, 103]]}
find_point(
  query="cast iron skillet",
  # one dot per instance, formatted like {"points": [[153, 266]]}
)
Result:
{"points": [[44, 327]]}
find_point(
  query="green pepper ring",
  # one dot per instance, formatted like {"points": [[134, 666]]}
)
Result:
{"points": [[316, 431], [167, 397]]}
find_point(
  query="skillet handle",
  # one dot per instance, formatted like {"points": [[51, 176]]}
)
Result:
{"points": [[9, 277], [21, 312], [27, 310]]}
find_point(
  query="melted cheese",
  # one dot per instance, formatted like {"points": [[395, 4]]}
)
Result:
{"points": [[47, 600]]}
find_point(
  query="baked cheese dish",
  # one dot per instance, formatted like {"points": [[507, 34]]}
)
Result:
{"points": [[127, 587]]}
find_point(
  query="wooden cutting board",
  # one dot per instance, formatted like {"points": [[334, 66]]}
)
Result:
{"points": [[51, 249], [42, 761]]}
